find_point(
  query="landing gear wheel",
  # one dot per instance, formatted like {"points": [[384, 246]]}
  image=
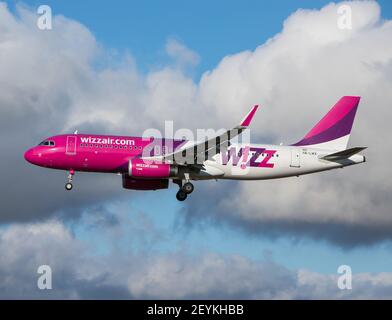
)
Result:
{"points": [[188, 188], [181, 195], [68, 185]]}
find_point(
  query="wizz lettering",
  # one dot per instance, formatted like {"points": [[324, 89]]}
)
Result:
{"points": [[240, 157]]}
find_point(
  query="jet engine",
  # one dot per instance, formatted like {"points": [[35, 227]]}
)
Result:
{"points": [[141, 169]]}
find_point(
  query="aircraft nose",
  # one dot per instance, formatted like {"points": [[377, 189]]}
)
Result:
{"points": [[29, 155]]}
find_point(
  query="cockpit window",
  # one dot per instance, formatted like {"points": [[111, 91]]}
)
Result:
{"points": [[47, 143]]}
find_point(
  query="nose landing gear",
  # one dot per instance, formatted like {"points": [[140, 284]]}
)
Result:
{"points": [[68, 185]]}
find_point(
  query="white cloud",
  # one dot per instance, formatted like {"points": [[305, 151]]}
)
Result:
{"points": [[79, 273], [181, 53], [211, 276]]}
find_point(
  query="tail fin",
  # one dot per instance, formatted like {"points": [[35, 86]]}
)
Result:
{"points": [[333, 131]]}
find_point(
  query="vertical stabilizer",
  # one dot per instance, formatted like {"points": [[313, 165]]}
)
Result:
{"points": [[333, 130]]}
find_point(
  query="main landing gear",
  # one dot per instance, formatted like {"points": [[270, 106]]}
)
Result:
{"points": [[181, 195], [185, 188], [188, 188], [68, 185]]}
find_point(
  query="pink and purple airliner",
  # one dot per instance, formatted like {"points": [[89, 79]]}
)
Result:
{"points": [[149, 163]]}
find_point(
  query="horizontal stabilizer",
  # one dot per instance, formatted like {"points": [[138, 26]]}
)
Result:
{"points": [[345, 154]]}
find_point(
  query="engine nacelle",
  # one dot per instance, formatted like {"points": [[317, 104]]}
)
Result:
{"points": [[149, 170], [151, 184]]}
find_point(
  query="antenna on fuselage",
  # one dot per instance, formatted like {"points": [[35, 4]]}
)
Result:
{"points": [[76, 132]]}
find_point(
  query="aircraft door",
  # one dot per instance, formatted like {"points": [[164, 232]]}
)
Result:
{"points": [[295, 157], [70, 148]]}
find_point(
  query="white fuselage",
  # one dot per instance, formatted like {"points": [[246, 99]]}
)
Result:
{"points": [[270, 162]]}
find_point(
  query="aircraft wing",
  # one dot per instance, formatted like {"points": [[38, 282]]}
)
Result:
{"points": [[196, 154]]}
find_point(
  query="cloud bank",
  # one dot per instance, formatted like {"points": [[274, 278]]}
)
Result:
{"points": [[80, 273], [62, 80]]}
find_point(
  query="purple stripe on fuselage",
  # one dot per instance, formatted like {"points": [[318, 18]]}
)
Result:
{"points": [[338, 130]]}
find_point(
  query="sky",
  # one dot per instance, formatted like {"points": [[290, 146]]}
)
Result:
{"points": [[213, 29], [124, 66]]}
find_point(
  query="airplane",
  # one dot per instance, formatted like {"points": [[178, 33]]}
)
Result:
{"points": [[149, 163]]}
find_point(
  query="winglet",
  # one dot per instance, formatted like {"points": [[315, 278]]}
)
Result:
{"points": [[249, 117]]}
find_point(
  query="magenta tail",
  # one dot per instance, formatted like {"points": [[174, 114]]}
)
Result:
{"points": [[333, 131]]}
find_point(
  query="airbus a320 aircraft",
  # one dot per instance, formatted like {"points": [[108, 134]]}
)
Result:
{"points": [[149, 163]]}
